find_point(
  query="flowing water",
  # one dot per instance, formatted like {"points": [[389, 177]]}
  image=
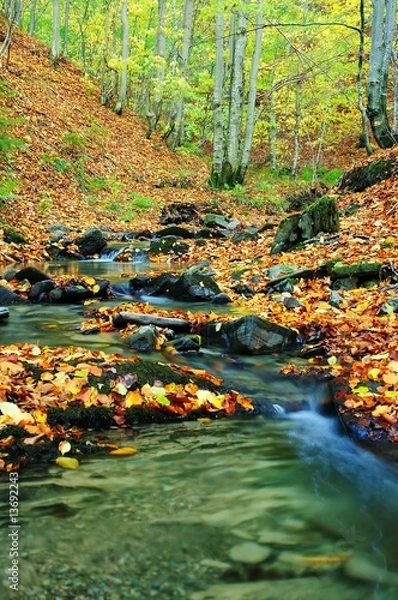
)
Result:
{"points": [[234, 509]]}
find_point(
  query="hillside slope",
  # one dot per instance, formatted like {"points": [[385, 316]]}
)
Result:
{"points": [[83, 164]]}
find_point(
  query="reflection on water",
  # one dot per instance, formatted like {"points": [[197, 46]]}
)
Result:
{"points": [[229, 510]]}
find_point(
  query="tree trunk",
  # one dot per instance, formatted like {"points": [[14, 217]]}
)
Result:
{"points": [[251, 103], [32, 17], [56, 45], [175, 135], [122, 100], [160, 54], [66, 27], [216, 180], [383, 33], [231, 162], [365, 142]]}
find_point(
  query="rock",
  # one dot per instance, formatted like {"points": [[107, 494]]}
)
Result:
{"points": [[169, 244], [91, 242], [9, 273], [221, 298], [11, 236], [188, 343], [290, 302], [195, 285], [40, 290], [277, 271], [175, 231], [4, 312], [214, 220], [143, 340], [32, 274], [335, 299], [246, 235], [8, 297], [320, 217], [360, 178], [389, 306], [248, 335], [77, 293], [179, 212], [249, 553]]}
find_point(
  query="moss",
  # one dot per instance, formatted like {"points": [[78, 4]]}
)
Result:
{"points": [[92, 417], [13, 237], [363, 270], [16, 432], [360, 178]]}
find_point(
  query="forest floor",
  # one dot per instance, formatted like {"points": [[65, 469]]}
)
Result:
{"points": [[83, 165]]}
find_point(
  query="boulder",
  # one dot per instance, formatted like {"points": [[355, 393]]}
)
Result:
{"points": [[143, 340], [195, 285], [8, 297], [40, 290], [91, 242], [32, 274], [248, 335], [321, 217]]}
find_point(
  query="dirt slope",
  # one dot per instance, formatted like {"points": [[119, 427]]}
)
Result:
{"points": [[75, 145]]}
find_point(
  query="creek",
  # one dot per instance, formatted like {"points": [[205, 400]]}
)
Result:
{"points": [[233, 509]]}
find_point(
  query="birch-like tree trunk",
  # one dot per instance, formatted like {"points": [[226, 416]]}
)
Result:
{"points": [[160, 57], [216, 178], [231, 165], [66, 27], [383, 33], [56, 37], [251, 102], [122, 99]]}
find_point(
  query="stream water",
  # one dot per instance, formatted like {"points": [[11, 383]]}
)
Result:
{"points": [[234, 509]]}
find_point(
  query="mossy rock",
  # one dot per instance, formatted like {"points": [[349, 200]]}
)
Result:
{"points": [[321, 217], [11, 236], [360, 178]]}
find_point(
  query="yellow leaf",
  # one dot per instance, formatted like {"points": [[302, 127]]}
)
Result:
{"points": [[124, 451], [332, 360], [67, 462], [374, 374], [218, 402], [47, 376], [381, 410], [89, 280], [120, 388], [361, 390], [39, 416], [133, 398], [96, 288]]}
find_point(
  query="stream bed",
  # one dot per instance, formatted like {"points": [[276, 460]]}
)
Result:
{"points": [[233, 509]]}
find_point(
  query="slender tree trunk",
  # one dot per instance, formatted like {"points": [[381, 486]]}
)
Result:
{"points": [[56, 45], [365, 142], [251, 102], [122, 100], [178, 138], [233, 144], [297, 126], [160, 54], [383, 33], [32, 17], [273, 130], [216, 178], [66, 27]]}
